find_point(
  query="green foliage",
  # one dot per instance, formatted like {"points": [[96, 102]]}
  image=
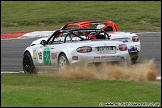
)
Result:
{"points": [[128, 15]]}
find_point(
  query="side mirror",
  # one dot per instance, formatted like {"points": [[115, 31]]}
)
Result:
{"points": [[43, 42], [109, 37]]}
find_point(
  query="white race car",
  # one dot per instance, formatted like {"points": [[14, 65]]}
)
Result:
{"points": [[72, 47], [130, 39]]}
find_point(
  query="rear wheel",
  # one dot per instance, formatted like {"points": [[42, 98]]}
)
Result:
{"points": [[62, 62], [133, 57], [28, 65]]}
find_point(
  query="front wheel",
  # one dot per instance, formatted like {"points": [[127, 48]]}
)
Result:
{"points": [[62, 62], [28, 65]]}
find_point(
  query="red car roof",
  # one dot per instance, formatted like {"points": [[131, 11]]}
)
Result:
{"points": [[86, 24]]}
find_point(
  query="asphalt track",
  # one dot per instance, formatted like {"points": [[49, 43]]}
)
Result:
{"points": [[12, 51]]}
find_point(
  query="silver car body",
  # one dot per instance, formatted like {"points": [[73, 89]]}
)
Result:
{"points": [[126, 37], [47, 56]]}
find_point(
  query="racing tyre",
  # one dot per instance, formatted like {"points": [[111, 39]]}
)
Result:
{"points": [[134, 59], [63, 63], [28, 65]]}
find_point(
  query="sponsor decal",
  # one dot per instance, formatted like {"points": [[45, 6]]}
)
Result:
{"points": [[125, 41], [40, 55], [34, 54], [132, 49], [53, 55], [108, 58], [46, 56]]}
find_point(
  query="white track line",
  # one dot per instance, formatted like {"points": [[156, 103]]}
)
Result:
{"points": [[13, 72]]}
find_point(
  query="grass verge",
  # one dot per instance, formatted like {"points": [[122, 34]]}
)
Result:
{"points": [[28, 16], [46, 90]]}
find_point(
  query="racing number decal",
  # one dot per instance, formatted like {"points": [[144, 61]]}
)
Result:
{"points": [[40, 55], [46, 56]]}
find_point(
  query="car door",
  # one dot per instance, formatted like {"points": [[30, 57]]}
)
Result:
{"points": [[47, 56]]}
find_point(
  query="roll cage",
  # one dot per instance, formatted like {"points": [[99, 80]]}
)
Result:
{"points": [[82, 34]]}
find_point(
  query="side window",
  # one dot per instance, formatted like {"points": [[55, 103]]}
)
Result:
{"points": [[67, 37], [74, 37], [58, 39], [50, 41]]}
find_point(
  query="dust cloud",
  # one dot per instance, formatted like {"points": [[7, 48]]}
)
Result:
{"points": [[145, 71]]}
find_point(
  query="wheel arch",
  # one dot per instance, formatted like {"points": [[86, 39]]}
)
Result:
{"points": [[26, 51], [65, 55], [33, 70], [30, 51]]}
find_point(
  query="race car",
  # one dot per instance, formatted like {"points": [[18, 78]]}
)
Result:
{"points": [[73, 47], [130, 39]]}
